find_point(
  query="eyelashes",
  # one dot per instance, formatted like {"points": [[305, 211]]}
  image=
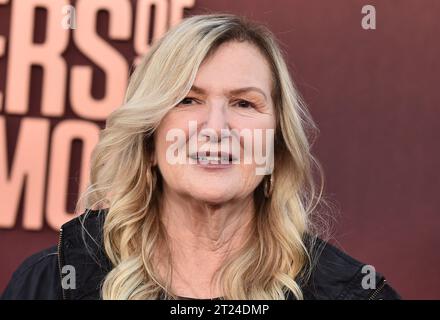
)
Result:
{"points": [[186, 98], [247, 103], [240, 103]]}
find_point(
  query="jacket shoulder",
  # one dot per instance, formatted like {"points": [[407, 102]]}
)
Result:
{"points": [[37, 277], [81, 248], [336, 275]]}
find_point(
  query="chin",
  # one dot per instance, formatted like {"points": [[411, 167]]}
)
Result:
{"points": [[212, 196]]}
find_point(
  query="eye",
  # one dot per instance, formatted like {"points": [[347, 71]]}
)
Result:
{"points": [[186, 101], [245, 104]]}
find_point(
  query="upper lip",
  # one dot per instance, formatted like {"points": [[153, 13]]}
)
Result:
{"points": [[219, 154]]}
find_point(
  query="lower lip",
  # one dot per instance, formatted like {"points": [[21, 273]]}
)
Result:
{"points": [[207, 165]]}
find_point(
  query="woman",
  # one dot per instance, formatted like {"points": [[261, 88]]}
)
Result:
{"points": [[181, 204]]}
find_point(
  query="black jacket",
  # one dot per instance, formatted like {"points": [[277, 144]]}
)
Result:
{"points": [[335, 275]]}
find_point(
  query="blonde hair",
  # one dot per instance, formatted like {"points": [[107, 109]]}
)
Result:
{"points": [[123, 180]]}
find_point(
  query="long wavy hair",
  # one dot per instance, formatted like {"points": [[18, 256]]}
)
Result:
{"points": [[124, 182]]}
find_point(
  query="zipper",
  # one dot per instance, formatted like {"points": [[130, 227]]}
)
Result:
{"points": [[60, 239], [378, 289]]}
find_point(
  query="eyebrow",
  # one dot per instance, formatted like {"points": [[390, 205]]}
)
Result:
{"points": [[232, 92]]}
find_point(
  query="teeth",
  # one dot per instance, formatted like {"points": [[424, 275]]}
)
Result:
{"points": [[210, 158]]}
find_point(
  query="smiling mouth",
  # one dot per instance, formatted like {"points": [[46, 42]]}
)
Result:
{"points": [[213, 158]]}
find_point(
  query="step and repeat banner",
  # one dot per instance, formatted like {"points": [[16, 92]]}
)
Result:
{"points": [[368, 70]]}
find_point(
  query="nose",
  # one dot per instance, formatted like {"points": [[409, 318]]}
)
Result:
{"points": [[216, 120]]}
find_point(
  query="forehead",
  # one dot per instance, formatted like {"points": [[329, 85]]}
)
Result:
{"points": [[233, 65]]}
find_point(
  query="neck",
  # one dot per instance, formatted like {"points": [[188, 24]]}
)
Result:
{"points": [[206, 228], [201, 236]]}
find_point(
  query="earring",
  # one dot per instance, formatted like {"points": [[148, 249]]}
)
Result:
{"points": [[268, 187]]}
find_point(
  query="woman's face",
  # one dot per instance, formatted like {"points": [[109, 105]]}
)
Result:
{"points": [[219, 136]]}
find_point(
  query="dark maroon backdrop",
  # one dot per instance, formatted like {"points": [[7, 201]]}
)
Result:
{"points": [[374, 95]]}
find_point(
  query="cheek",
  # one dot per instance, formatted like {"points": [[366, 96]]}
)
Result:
{"points": [[249, 179], [253, 119], [176, 128]]}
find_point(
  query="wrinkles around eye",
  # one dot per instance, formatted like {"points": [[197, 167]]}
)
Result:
{"points": [[240, 103]]}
